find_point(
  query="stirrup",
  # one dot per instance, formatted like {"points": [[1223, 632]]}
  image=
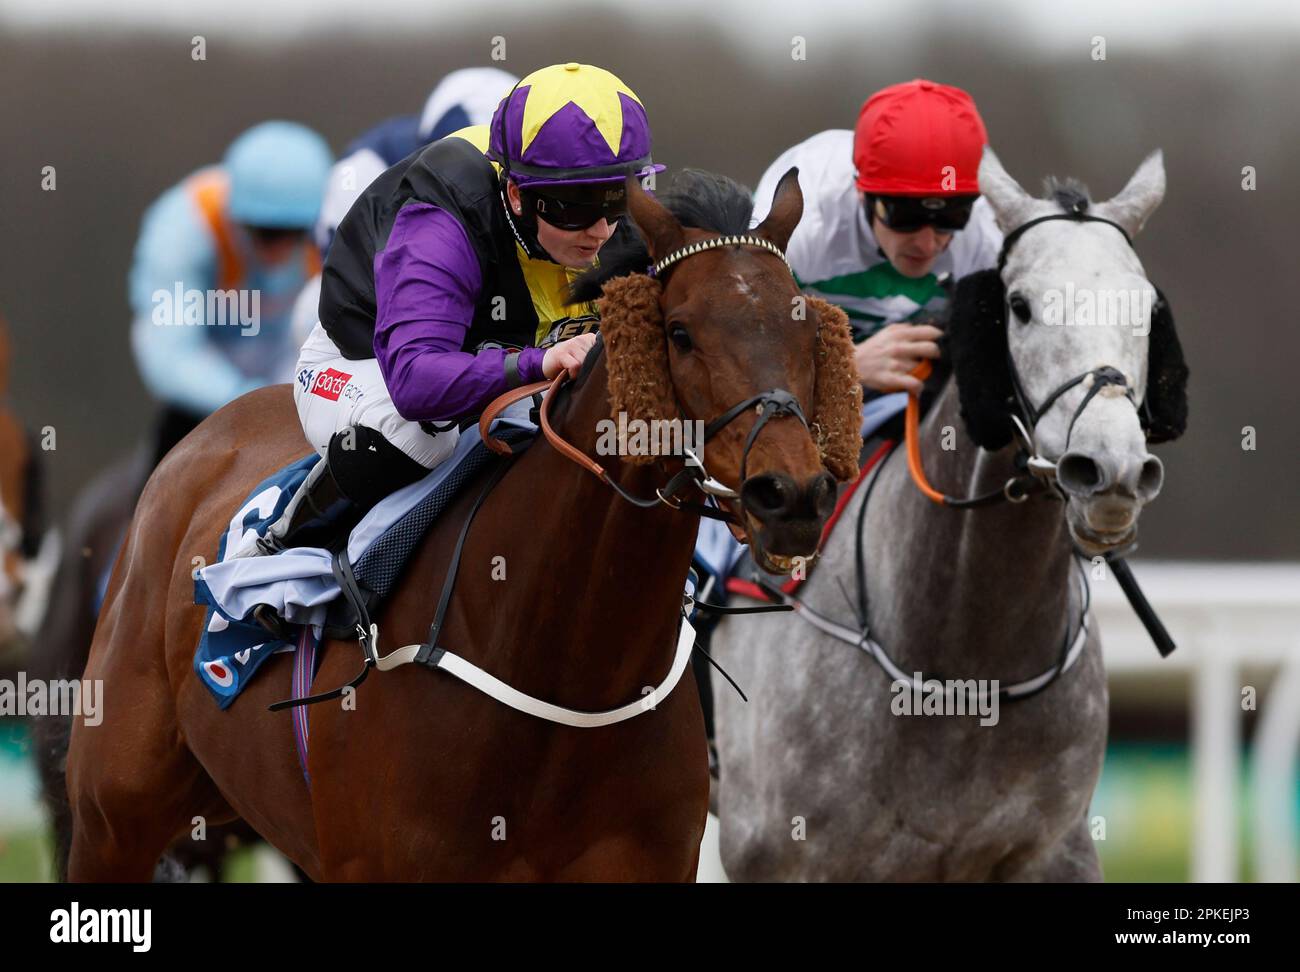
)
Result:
{"points": [[268, 545], [270, 619]]}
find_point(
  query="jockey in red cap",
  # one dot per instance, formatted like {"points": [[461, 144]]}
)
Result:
{"points": [[892, 215]]}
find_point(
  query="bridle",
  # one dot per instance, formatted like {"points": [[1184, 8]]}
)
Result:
{"points": [[1025, 424], [769, 405], [1025, 416], [1040, 473], [1037, 475]]}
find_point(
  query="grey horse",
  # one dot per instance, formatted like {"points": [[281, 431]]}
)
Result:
{"points": [[825, 776]]}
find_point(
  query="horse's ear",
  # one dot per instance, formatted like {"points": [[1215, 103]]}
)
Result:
{"points": [[1164, 410], [977, 347], [1135, 203], [837, 393], [658, 226], [636, 350], [786, 211], [1010, 203]]}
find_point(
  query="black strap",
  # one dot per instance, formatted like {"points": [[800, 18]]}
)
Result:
{"points": [[776, 402], [1027, 484], [728, 609], [341, 567], [513, 379], [1141, 606], [1077, 216], [783, 402], [429, 652], [347, 581], [723, 671]]}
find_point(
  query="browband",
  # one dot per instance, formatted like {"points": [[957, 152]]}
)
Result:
{"points": [[1077, 215], [701, 245]]}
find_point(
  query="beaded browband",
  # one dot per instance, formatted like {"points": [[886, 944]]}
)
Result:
{"points": [[701, 245]]}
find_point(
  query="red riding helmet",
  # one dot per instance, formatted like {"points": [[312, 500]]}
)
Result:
{"points": [[920, 138]]}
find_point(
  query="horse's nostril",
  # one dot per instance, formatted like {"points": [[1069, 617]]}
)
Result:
{"points": [[775, 495], [766, 494], [1151, 478], [822, 492], [1079, 474]]}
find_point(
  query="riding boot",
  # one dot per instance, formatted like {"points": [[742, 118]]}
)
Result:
{"points": [[320, 514]]}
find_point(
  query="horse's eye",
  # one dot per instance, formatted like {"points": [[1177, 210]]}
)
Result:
{"points": [[1020, 307], [681, 340]]}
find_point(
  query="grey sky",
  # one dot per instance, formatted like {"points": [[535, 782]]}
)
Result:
{"points": [[1153, 23]]}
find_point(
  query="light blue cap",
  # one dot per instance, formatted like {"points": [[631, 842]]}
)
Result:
{"points": [[278, 172]]}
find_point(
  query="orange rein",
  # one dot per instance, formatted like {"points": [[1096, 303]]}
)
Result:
{"points": [[911, 425]]}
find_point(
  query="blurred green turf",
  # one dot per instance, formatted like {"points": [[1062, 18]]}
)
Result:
{"points": [[26, 856], [1144, 797]]}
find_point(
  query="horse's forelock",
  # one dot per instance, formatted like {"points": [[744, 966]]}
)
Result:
{"points": [[1068, 193]]}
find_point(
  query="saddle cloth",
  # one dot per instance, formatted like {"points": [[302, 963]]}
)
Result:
{"points": [[299, 582]]}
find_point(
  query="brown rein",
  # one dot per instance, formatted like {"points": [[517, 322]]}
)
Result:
{"points": [[505, 400]]}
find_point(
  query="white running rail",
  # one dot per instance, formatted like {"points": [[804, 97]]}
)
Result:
{"points": [[1237, 626]]}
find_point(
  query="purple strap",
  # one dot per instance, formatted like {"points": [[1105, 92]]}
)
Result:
{"points": [[304, 673]]}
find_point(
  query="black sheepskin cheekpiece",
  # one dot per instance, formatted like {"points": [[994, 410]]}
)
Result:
{"points": [[1164, 412], [977, 346]]}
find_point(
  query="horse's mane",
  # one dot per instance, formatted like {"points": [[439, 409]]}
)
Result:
{"points": [[699, 199]]}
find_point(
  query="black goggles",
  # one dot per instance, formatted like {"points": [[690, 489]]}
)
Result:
{"points": [[270, 235], [578, 208], [907, 214]]}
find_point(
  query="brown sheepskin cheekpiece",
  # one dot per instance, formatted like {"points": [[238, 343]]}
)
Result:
{"points": [[640, 383], [636, 353], [837, 406]]}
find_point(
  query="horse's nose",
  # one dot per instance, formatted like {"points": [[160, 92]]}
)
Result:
{"points": [[1083, 475], [776, 496]]}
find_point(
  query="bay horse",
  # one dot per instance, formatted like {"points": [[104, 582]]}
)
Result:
{"points": [[824, 776], [421, 777]]}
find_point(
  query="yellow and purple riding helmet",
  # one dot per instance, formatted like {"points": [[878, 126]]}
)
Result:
{"points": [[571, 124]]}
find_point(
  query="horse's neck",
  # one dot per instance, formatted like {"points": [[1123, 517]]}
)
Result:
{"points": [[608, 583], [978, 593]]}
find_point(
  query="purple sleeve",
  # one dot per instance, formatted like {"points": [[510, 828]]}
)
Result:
{"points": [[426, 284]]}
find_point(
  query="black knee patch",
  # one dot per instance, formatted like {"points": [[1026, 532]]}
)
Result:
{"points": [[367, 467]]}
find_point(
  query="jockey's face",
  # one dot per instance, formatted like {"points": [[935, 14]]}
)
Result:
{"points": [[912, 254], [272, 247], [576, 249]]}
